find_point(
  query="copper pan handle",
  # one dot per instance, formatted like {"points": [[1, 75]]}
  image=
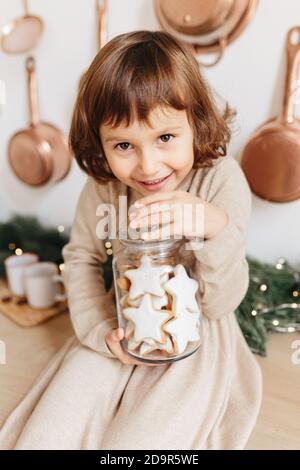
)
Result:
{"points": [[25, 6], [291, 83], [222, 47], [32, 91], [101, 6]]}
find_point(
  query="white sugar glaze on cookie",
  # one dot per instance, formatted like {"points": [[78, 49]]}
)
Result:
{"points": [[146, 278], [147, 320], [183, 329], [183, 290]]}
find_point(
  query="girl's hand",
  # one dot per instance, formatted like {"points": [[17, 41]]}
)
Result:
{"points": [[113, 338], [173, 213]]}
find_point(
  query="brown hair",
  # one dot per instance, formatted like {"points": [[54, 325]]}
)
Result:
{"points": [[131, 75]]}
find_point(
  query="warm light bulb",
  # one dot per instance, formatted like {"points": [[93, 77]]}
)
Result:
{"points": [[263, 287]]}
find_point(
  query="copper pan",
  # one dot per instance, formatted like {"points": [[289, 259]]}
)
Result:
{"points": [[23, 33], [195, 18], [235, 17], [271, 158], [40, 153]]}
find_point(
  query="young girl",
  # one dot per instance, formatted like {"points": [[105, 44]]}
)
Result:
{"points": [[145, 113]]}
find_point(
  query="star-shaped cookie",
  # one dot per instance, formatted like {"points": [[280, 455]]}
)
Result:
{"points": [[148, 321], [147, 348], [129, 330], [159, 302], [183, 290], [146, 278], [183, 329]]}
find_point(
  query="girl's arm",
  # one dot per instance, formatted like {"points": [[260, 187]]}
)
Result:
{"points": [[92, 308], [221, 264]]}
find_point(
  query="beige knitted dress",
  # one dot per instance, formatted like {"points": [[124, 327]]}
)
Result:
{"points": [[87, 399]]}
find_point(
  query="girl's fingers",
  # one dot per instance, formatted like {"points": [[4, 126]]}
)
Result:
{"points": [[149, 211], [154, 198], [117, 334], [153, 221], [166, 231], [113, 342], [117, 349]]}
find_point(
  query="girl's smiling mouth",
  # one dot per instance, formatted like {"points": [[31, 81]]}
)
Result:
{"points": [[155, 184]]}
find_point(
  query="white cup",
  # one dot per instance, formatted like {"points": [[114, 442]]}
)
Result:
{"points": [[14, 267], [41, 285]]}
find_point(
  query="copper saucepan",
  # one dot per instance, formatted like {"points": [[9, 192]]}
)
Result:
{"points": [[271, 158], [195, 17], [205, 26], [23, 33], [39, 154]]}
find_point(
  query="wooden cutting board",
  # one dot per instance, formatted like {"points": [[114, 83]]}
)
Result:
{"points": [[18, 310]]}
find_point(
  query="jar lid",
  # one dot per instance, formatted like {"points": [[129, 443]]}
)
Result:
{"points": [[140, 243]]}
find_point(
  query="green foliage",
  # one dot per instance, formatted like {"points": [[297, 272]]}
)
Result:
{"points": [[270, 302]]}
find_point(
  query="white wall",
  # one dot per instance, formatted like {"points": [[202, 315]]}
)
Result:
{"points": [[250, 76]]}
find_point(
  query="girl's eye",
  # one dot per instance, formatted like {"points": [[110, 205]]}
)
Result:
{"points": [[122, 148], [166, 135]]}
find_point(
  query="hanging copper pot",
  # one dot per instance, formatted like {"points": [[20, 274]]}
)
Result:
{"points": [[206, 26], [195, 17], [271, 158], [23, 33], [39, 154]]}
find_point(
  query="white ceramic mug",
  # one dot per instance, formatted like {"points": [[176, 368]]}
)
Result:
{"points": [[41, 285], [14, 267]]}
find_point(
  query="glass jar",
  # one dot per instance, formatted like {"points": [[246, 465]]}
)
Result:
{"points": [[156, 298]]}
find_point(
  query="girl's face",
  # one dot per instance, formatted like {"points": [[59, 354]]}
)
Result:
{"points": [[138, 155]]}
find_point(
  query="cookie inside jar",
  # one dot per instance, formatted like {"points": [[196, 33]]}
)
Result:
{"points": [[157, 301]]}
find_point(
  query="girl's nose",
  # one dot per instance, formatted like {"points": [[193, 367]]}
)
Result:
{"points": [[148, 164]]}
